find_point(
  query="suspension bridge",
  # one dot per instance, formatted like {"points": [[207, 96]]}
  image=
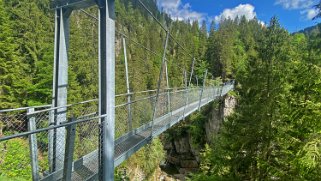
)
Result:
{"points": [[87, 140]]}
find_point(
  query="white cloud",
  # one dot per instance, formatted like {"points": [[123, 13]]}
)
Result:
{"points": [[306, 7], [310, 13], [177, 10], [262, 23], [295, 4], [246, 10]]}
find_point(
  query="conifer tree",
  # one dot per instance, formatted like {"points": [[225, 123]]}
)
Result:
{"points": [[11, 66]]}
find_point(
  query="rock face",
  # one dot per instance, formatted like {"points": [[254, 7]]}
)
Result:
{"points": [[212, 126], [180, 152], [229, 105], [182, 145]]}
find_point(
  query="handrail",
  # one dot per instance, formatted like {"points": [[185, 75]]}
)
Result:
{"points": [[70, 105]]}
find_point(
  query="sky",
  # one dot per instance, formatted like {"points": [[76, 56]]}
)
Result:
{"points": [[294, 15]]}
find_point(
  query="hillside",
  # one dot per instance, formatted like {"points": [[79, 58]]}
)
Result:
{"points": [[313, 30], [26, 66]]}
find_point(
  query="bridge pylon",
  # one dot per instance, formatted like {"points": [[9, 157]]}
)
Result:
{"points": [[57, 137]]}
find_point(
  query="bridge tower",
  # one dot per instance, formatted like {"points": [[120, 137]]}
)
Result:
{"points": [[63, 10]]}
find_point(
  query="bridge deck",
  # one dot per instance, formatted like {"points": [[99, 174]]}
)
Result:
{"points": [[150, 118], [86, 168]]}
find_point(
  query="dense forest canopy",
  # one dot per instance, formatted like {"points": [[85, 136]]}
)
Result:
{"points": [[26, 65], [27, 50], [275, 131]]}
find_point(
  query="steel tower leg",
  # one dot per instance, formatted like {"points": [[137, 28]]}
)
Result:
{"points": [[107, 88], [60, 84]]}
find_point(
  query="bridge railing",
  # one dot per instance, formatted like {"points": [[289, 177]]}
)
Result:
{"points": [[77, 135]]}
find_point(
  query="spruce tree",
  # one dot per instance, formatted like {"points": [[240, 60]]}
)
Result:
{"points": [[11, 66]]}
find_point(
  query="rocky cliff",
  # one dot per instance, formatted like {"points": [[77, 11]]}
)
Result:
{"points": [[183, 152]]}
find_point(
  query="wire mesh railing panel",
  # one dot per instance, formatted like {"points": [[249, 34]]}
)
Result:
{"points": [[122, 122], [46, 141], [86, 145], [42, 146], [162, 105], [87, 138], [134, 114], [16, 120], [42, 118], [13, 122], [178, 99], [194, 95], [142, 112]]}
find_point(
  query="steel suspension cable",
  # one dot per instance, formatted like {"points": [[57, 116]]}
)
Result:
{"points": [[163, 27], [140, 44]]}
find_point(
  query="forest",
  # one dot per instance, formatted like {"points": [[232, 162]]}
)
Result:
{"points": [[275, 132]]}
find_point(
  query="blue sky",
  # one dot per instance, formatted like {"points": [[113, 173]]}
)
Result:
{"points": [[294, 15]]}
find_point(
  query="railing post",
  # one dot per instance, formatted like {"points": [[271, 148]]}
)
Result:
{"points": [[197, 88], [185, 92], [70, 145], [213, 89], [51, 140], [169, 108], [160, 81], [201, 94], [190, 81], [192, 72], [33, 145], [130, 125], [60, 84], [221, 90], [106, 88], [196, 80]]}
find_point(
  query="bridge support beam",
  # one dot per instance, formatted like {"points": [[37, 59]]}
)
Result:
{"points": [[106, 88], [185, 92], [188, 85], [130, 125], [202, 90], [60, 84], [192, 72], [160, 80], [169, 104], [196, 80]]}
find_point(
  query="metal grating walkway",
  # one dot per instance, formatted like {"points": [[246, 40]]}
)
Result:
{"points": [[86, 168]]}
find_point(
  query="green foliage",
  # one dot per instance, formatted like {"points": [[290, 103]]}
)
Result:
{"points": [[275, 131], [14, 160], [231, 46], [206, 156], [120, 175], [4, 178], [232, 94], [26, 62], [147, 159], [9, 63], [26, 58], [195, 128], [33, 31]]}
